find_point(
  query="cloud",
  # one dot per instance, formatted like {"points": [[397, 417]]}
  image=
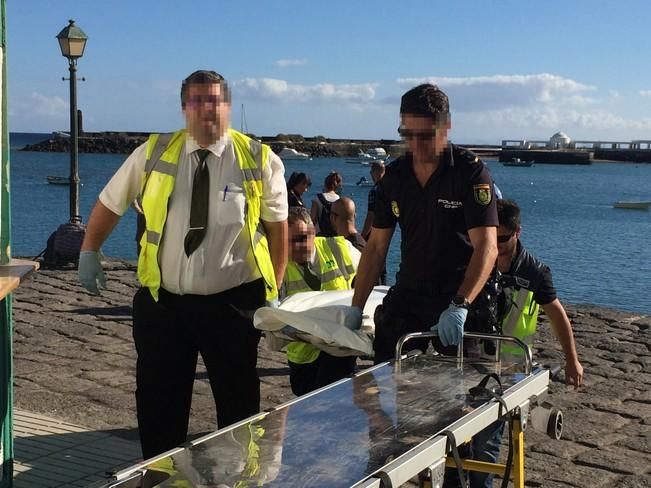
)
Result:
{"points": [[548, 119], [285, 63], [645, 93], [481, 93], [270, 89], [48, 106]]}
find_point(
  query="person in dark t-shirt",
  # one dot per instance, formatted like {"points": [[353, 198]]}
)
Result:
{"points": [[527, 283]]}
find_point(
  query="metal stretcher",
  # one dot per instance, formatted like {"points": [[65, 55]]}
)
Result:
{"points": [[380, 428]]}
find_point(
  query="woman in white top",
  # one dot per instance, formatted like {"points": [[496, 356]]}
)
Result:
{"points": [[320, 211]]}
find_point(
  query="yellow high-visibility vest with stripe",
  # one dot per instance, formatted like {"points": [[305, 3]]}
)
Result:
{"points": [[521, 321], [336, 273], [159, 177]]}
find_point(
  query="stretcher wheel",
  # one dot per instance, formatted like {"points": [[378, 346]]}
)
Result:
{"points": [[555, 424]]}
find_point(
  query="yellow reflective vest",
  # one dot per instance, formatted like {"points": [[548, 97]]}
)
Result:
{"points": [[521, 320], [163, 154], [336, 272]]}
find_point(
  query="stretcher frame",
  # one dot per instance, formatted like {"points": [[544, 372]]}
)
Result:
{"points": [[430, 456]]}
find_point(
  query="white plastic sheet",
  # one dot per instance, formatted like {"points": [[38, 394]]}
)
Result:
{"points": [[318, 317]]}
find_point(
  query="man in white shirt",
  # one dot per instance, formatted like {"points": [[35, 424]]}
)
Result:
{"points": [[214, 249]]}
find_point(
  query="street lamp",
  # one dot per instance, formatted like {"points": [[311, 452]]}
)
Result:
{"points": [[72, 41]]}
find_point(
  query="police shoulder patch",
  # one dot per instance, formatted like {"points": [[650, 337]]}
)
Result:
{"points": [[482, 193]]}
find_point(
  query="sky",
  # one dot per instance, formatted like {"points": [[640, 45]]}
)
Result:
{"points": [[513, 69]]}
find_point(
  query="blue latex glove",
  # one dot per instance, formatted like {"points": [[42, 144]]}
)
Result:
{"points": [[91, 272], [450, 325], [353, 320]]}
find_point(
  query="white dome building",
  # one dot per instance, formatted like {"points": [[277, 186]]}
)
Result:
{"points": [[559, 140]]}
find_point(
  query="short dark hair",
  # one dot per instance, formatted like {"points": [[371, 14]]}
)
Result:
{"points": [[207, 77], [426, 100], [508, 214]]}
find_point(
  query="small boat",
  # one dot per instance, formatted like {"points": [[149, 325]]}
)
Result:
{"points": [[518, 163], [639, 205], [289, 153], [58, 180], [363, 181], [365, 158]]}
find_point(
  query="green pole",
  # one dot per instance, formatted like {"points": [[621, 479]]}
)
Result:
{"points": [[6, 358]]}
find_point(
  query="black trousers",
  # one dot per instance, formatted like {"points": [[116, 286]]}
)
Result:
{"points": [[169, 335], [326, 369]]}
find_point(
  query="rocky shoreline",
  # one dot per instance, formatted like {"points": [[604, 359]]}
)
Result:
{"points": [[126, 142], [74, 360]]}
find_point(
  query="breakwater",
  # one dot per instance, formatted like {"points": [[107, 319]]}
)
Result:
{"points": [[125, 142], [547, 156]]}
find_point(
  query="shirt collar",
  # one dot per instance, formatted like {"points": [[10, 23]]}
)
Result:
{"points": [[217, 148]]}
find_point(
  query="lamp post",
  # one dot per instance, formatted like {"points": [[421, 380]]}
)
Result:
{"points": [[72, 41]]}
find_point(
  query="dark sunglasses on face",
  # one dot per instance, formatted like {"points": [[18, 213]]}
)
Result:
{"points": [[504, 238], [418, 135]]}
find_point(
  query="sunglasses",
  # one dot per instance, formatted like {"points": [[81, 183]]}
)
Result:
{"points": [[504, 238], [417, 135]]}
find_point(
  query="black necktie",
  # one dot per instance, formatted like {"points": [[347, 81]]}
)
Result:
{"points": [[199, 206], [310, 277]]}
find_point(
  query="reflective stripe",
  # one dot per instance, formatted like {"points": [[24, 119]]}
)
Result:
{"points": [[252, 174], [161, 167], [296, 286], [331, 275], [153, 237], [339, 257], [158, 150]]}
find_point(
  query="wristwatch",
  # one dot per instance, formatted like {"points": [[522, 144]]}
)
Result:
{"points": [[460, 301]]}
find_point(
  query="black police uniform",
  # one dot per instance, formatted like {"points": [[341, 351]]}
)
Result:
{"points": [[435, 247], [529, 273]]}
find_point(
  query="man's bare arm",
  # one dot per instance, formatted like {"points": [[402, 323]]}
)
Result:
{"points": [[482, 261], [368, 224], [371, 264], [101, 223], [277, 238], [563, 331]]}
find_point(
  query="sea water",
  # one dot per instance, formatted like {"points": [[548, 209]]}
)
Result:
{"points": [[598, 254]]}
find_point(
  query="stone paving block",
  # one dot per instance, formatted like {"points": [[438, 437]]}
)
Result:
{"points": [[642, 481], [561, 449], [616, 459], [597, 429], [641, 442], [549, 470]]}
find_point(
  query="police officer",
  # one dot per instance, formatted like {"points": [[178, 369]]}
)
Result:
{"points": [[442, 198], [213, 250], [527, 284]]}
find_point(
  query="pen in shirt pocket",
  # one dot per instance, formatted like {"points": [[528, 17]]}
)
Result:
{"points": [[225, 191]]}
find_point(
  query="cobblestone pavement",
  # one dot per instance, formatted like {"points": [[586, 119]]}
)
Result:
{"points": [[74, 359]]}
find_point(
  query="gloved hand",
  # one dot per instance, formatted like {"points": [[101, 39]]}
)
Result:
{"points": [[91, 272], [450, 325], [353, 320]]}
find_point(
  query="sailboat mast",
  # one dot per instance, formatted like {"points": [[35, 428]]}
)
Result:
{"points": [[244, 129]]}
